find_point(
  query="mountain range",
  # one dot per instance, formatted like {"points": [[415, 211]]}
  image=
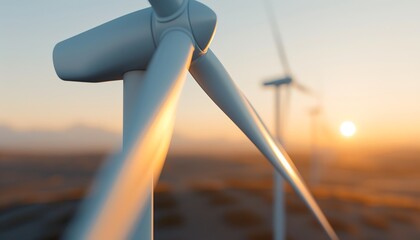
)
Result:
{"points": [[82, 139], [76, 138]]}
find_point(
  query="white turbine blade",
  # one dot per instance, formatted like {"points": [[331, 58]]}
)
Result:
{"points": [[277, 38], [118, 196], [216, 82], [164, 8], [302, 88]]}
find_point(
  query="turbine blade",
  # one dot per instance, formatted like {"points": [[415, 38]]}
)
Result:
{"points": [[165, 8], [118, 195], [277, 38], [216, 82], [302, 88]]}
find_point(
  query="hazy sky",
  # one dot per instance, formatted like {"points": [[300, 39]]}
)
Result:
{"points": [[363, 56]]}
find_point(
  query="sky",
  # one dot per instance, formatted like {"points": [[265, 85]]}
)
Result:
{"points": [[361, 56]]}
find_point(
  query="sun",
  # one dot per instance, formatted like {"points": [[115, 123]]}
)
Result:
{"points": [[347, 129]]}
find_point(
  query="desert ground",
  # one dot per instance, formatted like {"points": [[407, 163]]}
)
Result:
{"points": [[211, 197]]}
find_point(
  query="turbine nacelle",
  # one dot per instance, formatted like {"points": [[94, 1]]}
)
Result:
{"points": [[107, 52], [278, 82]]}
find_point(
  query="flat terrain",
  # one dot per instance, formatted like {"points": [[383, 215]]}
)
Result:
{"points": [[221, 197]]}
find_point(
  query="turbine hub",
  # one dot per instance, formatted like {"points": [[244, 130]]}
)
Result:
{"points": [[192, 17]]}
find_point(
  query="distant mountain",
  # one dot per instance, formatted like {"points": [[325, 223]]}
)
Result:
{"points": [[81, 138], [76, 138]]}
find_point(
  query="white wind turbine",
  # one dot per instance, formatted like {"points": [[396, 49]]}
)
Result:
{"points": [[287, 81], [152, 50]]}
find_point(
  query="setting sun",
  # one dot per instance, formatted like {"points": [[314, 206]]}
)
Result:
{"points": [[347, 128]]}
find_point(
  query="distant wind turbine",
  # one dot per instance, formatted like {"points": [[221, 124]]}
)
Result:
{"points": [[314, 113], [287, 81], [319, 126], [152, 50]]}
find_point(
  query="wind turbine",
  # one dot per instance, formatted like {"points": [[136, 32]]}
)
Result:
{"points": [[319, 126], [287, 81], [314, 113], [152, 50]]}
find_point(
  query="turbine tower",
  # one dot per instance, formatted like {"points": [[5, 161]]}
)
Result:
{"points": [[152, 50], [287, 81]]}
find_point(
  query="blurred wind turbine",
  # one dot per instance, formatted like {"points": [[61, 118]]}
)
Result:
{"points": [[152, 50], [314, 113], [319, 127], [279, 216]]}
